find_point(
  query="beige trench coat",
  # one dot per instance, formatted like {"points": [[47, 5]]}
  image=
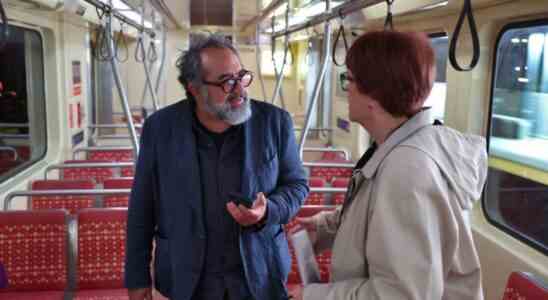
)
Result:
{"points": [[406, 234]]}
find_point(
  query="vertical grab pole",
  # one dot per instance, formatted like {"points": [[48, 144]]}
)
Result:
{"points": [[280, 75], [145, 63], [120, 88], [163, 59], [259, 59], [319, 82]]}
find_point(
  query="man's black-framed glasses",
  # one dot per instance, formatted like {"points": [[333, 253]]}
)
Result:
{"points": [[345, 80], [228, 85]]}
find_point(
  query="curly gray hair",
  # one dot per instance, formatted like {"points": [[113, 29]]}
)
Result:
{"points": [[189, 62]]}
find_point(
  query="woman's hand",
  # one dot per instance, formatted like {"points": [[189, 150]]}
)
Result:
{"points": [[296, 292], [309, 225]]}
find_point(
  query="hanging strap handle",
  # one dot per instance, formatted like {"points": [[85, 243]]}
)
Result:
{"points": [[340, 33], [121, 42], [388, 24], [466, 12]]}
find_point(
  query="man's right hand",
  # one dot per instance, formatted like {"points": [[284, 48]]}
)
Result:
{"points": [[140, 294]]}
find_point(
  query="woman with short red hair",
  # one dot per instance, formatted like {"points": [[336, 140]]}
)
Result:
{"points": [[403, 231]]}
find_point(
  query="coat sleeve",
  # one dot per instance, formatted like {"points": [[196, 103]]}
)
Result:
{"points": [[141, 222], [409, 229], [292, 188]]}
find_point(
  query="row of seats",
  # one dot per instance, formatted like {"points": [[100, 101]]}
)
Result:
{"points": [[45, 259], [97, 174], [36, 249], [74, 203], [323, 198]]}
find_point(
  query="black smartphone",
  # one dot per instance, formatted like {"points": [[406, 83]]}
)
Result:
{"points": [[239, 198]]}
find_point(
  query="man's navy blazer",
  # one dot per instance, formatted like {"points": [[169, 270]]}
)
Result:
{"points": [[166, 203]]}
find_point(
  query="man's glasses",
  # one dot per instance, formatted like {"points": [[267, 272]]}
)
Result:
{"points": [[228, 85], [345, 80]]}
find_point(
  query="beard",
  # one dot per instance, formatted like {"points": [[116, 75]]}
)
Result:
{"points": [[224, 111]]}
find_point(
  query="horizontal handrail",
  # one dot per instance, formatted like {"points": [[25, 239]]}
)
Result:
{"points": [[327, 190], [14, 125], [10, 149], [328, 164], [113, 136], [104, 126], [313, 129], [317, 149], [23, 136], [100, 148], [87, 165], [9, 197]]}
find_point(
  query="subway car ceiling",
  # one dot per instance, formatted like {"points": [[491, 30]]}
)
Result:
{"points": [[65, 111]]}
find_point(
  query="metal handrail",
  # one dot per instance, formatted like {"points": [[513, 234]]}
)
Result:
{"points": [[327, 190], [316, 93], [313, 129], [114, 136], [9, 197], [120, 87], [313, 149], [14, 125], [110, 126], [87, 165], [330, 14], [99, 148], [329, 164], [10, 149], [14, 136]]}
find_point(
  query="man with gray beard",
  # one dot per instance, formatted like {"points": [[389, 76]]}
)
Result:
{"points": [[217, 176]]}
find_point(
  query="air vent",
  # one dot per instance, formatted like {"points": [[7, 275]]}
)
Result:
{"points": [[211, 13]]}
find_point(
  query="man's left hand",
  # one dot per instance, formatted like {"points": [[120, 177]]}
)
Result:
{"points": [[248, 216]]}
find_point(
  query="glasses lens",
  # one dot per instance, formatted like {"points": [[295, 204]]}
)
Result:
{"points": [[344, 81], [228, 85], [246, 79]]}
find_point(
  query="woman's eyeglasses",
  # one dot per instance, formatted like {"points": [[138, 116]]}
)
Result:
{"points": [[228, 85], [345, 80]]}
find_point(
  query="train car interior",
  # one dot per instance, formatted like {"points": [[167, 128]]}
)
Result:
{"points": [[78, 79]]}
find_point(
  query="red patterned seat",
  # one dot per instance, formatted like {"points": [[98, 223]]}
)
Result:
{"points": [[97, 174], [110, 155], [338, 198], [120, 200], [101, 253], [333, 156], [70, 202], [331, 172], [315, 198], [525, 286], [33, 250], [323, 259]]}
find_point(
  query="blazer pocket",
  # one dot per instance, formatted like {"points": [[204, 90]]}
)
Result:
{"points": [[267, 173]]}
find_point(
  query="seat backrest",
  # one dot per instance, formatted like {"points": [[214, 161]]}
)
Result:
{"points": [[33, 249], [70, 202], [101, 248], [110, 155], [338, 198], [525, 286], [97, 174], [315, 198], [117, 200]]}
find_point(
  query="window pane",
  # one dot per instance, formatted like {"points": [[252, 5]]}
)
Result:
{"points": [[517, 190], [22, 107], [437, 97]]}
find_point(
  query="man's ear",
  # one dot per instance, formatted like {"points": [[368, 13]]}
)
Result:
{"points": [[194, 91]]}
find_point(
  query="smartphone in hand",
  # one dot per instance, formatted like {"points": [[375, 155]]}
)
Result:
{"points": [[239, 198]]}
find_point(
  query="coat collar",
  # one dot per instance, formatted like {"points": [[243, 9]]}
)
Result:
{"points": [[408, 128]]}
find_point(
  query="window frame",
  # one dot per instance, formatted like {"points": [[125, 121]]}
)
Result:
{"points": [[10, 174], [491, 220]]}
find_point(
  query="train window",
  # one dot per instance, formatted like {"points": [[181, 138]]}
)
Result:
{"points": [[437, 97], [22, 101], [267, 66], [516, 198]]}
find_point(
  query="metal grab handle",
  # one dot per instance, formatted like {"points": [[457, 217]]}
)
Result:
{"points": [[466, 12], [87, 165], [9, 197], [329, 165], [10, 149]]}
